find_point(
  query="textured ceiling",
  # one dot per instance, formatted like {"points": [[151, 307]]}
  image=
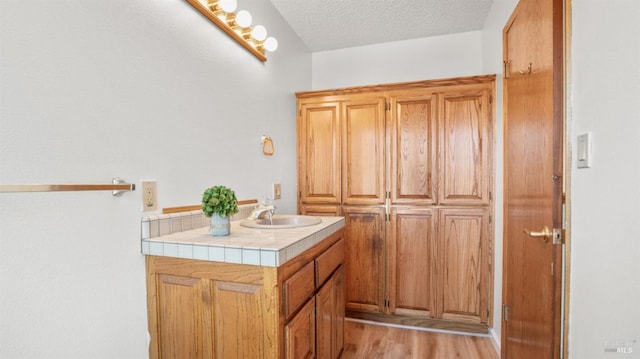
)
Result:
{"points": [[335, 24]]}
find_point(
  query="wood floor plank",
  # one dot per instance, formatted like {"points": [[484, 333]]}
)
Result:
{"points": [[368, 340]]}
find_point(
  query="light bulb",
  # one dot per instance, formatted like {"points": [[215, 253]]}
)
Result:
{"points": [[270, 44], [243, 18], [259, 33], [228, 5]]}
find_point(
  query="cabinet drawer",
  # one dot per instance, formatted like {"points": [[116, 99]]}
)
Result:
{"points": [[328, 261], [297, 289]]}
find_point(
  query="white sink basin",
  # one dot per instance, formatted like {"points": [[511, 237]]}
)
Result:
{"points": [[282, 221]]}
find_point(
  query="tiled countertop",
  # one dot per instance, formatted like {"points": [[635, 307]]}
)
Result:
{"points": [[265, 247]]}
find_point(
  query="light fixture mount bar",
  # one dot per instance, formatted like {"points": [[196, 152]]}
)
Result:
{"points": [[231, 32]]}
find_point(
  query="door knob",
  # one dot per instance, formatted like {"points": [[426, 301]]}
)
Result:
{"points": [[543, 235]]}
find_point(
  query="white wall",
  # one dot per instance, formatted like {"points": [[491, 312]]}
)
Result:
{"points": [[605, 254], [139, 89], [410, 60]]}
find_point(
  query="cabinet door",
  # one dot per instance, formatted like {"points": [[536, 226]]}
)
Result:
{"points": [[300, 333], [181, 321], [465, 142], [330, 317], [199, 309], [413, 148], [235, 306], [319, 152], [464, 265], [364, 257], [411, 257], [363, 152]]}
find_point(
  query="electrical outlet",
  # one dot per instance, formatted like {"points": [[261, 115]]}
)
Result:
{"points": [[277, 193], [149, 200]]}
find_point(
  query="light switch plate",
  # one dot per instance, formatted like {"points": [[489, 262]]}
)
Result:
{"points": [[584, 150]]}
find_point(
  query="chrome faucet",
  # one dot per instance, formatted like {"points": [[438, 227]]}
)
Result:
{"points": [[261, 210]]}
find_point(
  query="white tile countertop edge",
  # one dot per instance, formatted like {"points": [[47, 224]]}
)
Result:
{"points": [[265, 247]]}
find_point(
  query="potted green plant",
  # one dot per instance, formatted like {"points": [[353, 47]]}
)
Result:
{"points": [[219, 203]]}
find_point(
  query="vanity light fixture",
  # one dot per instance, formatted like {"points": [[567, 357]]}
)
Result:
{"points": [[237, 25]]}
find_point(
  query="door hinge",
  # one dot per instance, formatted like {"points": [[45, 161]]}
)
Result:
{"points": [[505, 313], [386, 303], [490, 220], [490, 196], [504, 70]]}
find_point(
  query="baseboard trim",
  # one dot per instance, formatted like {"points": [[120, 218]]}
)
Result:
{"points": [[421, 323], [495, 339], [422, 329]]}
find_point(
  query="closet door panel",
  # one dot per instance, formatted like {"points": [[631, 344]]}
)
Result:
{"points": [[364, 257], [319, 152], [413, 149], [464, 267], [411, 261], [363, 152], [464, 147]]}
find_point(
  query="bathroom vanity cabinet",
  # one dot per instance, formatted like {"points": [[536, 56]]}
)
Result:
{"points": [[211, 309]]}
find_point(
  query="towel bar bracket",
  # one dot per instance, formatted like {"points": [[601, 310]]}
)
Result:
{"points": [[119, 192]]}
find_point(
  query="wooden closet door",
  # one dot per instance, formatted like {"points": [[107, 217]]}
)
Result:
{"points": [[363, 150], [463, 269], [364, 257], [465, 142], [319, 152], [413, 148], [412, 261]]}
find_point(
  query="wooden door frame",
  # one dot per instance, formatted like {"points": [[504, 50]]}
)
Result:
{"points": [[566, 256]]}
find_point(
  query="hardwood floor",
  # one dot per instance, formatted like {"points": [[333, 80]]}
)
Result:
{"points": [[365, 340]]}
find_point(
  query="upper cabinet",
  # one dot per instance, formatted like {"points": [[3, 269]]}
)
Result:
{"points": [[417, 146], [464, 146], [413, 147], [363, 162], [319, 152]]}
